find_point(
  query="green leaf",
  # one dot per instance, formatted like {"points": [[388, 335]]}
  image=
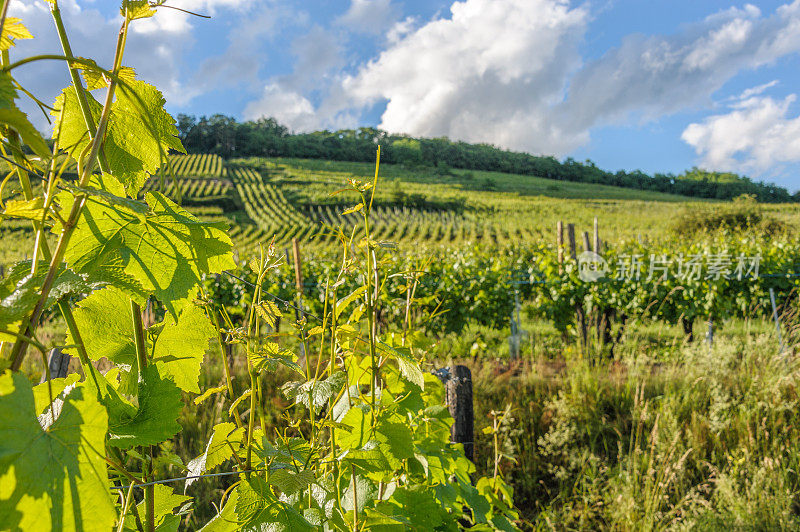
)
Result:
{"points": [[359, 420], [409, 367], [167, 251], [135, 9], [154, 421], [32, 209], [13, 29], [105, 322], [41, 392], [181, 345], [269, 312], [291, 482], [53, 478], [315, 392], [20, 291], [225, 520], [18, 121], [208, 393], [225, 439], [269, 355], [166, 500], [258, 509], [353, 209], [139, 134], [365, 491], [96, 79]]}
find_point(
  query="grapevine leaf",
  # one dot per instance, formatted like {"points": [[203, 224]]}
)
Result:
{"points": [[269, 355], [268, 311], [359, 421], [181, 345], [416, 506], [167, 251], [29, 209], [155, 418], [365, 490], [258, 509], [17, 120], [41, 392], [165, 502], [409, 367], [314, 391], [11, 116], [208, 393], [20, 291], [140, 132], [104, 319], [225, 520], [13, 29], [396, 442], [135, 9], [96, 79], [54, 478], [224, 440], [291, 482]]}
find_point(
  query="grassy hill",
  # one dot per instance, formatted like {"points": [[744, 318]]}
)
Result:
{"points": [[415, 208]]}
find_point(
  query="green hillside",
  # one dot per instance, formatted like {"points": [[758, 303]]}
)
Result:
{"points": [[280, 198]]}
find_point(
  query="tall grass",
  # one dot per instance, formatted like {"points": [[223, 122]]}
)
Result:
{"points": [[710, 439]]}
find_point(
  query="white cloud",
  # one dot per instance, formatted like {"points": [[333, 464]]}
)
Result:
{"points": [[509, 72], [285, 105], [758, 134], [487, 73], [369, 16], [155, 49]]}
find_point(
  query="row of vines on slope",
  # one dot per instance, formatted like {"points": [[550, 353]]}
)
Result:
{"points": [[371, 450], [475, 286]]}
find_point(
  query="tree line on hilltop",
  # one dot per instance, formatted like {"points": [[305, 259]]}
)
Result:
{"points": [[265, 137]]}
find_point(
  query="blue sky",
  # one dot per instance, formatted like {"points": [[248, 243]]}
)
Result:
{"points": [[631, 84]]}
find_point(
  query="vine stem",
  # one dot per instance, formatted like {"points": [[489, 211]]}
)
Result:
{"points": [[141, 359], [370, 302], [19, 349]]}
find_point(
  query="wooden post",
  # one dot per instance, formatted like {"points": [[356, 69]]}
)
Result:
{"points": [[586, 245], [560, 242], [776, 319], [458, 396], [580, 318], [298, 277], [596, 235], [58, 361], [571, 239], [710, 333]]}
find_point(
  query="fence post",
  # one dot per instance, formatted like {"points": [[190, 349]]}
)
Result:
{"points": [[560, 243], [580, 317], [710, 334], [596, 236], [298, 276], [571, 239], [58, 362], [458, 396], [776, 319], [586, 245]]}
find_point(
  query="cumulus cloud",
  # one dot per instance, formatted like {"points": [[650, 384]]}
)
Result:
{"points": [[318, 56], [155, 49], [488, 73], [757, 134], [369, 16], [285, 105], [509, 72], [648, 77]]}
